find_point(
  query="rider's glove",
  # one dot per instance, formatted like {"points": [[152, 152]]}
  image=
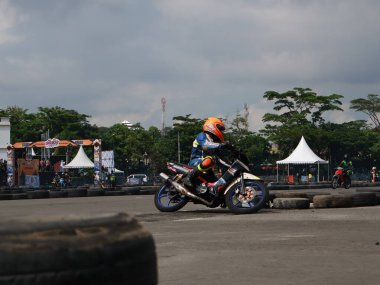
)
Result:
{"points": [[226, 145]]}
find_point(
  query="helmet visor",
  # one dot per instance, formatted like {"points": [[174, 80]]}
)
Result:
{"points": [[221, 128]]}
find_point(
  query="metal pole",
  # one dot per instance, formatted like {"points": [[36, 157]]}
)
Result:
{"points": [[179, 149]]}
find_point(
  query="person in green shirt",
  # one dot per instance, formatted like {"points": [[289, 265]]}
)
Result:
{"points": [[346, 164]]}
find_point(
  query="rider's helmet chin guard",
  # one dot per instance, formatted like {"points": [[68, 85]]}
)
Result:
{"points": [[215, 127]]}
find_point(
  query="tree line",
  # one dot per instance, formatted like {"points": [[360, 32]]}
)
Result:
{"points": [[297, 112]]}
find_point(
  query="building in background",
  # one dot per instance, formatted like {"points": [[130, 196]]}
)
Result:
{"points": [[5, 136]]}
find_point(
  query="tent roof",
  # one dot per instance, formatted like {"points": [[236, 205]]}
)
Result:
{"points": [[302, 155], [81, 160]]}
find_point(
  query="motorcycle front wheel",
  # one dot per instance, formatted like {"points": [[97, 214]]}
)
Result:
{"points": [[256, 196], [167, 199], [334, 183]]}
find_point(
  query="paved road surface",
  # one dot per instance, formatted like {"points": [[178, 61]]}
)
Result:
{"points": [[211, 246]]}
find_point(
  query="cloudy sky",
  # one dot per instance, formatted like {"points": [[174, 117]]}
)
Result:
{"points": [[115, 59]]}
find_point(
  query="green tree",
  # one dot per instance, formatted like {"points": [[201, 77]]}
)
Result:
{"points": [[254, 146], [369, 106], [24, 127], [65, 124], [298, 112]]}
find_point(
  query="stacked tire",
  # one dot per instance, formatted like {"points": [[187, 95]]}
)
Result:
{"points": [[110, 250]]}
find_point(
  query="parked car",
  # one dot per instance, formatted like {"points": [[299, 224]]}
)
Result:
{"points": [[136, 179]]}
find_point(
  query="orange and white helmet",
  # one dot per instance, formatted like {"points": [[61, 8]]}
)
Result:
{"points": [[215, 127]]}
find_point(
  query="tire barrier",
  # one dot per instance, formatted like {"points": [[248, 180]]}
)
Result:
{"points": [[95, 192], [113, 249], [37, 194], [77, 192], [311, 195], [6, 196], [333, 201], [115, 193], [58, 193], [287, 194], [291, 203], [376, 191], [363, 199], [18, 196]]}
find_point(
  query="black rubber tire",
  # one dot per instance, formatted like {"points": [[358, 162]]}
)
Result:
{"points": [[165, 190], [38, 194], [113, 249], [333, 201], [132, 190], [231, 198], [95, 192], [334, 183], [291, 194], [18, 196], [6, 196], [78, 192], [311, 195], [291, 203], [347, 183], [363, 199], [58, 193], [368, 190], [115, 192]]}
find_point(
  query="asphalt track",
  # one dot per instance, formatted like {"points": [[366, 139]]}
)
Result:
{"points": [[198, 245]]}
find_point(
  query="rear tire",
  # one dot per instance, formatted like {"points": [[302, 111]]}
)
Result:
{"points": [[347, 182], [256, 199], [167, 199]]}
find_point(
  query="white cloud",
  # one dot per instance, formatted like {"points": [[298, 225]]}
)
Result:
{"points": [[115, 60], [8, 19]]}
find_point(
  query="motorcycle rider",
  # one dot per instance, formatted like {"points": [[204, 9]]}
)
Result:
{"points": [[346, 165], [206, 143]]}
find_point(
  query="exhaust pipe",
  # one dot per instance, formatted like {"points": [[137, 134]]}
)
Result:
{"points": [[182, 190]]}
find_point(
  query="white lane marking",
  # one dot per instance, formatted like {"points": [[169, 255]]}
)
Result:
{"points": [[190, 219]]}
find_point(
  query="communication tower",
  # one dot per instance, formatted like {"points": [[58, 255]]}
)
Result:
{"points": [[163, 104], [246, 114]]}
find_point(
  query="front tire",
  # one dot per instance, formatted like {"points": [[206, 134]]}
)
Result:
{"points": [[167, 199], [256, 197], [334, 183]]}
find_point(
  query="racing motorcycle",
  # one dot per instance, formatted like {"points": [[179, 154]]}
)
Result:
{"points": [[238, 189], [341, 178]]}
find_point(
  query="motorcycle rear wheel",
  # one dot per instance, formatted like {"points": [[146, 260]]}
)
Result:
{"points": [[347, 183], [167, 199], [257, 195]]}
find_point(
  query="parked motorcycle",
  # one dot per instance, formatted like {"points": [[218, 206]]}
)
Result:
{"points": [[341, 178], [239, 190]]}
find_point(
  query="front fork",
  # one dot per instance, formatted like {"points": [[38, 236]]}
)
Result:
{"points": [[242, 186]]}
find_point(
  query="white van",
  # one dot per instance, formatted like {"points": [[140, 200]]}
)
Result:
{"points": [[136, 179]]}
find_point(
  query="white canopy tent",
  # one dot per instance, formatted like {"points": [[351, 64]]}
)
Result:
{"points": [[302, 154], [81, 160]]}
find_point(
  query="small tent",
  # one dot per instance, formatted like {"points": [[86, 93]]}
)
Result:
{"points": [[302, 154], [81, 160]]}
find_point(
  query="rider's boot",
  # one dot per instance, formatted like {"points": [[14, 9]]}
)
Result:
{"points": [[214, 188], [190, 178]]}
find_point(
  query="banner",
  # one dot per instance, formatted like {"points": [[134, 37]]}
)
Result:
{"points": [[52, 143], [32, 181], [97, 154], [26, 169]]}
